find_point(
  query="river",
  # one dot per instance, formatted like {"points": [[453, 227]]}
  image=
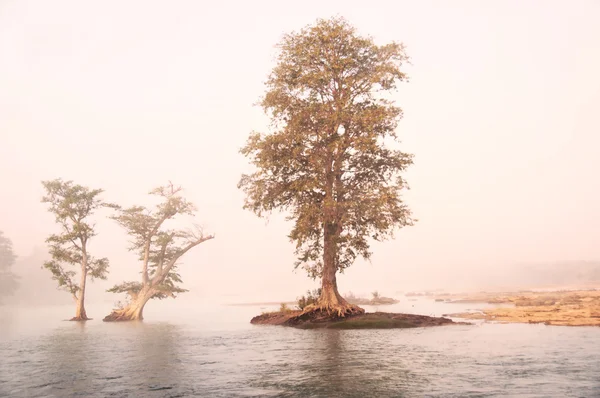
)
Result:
{"points": [[191, 348]]}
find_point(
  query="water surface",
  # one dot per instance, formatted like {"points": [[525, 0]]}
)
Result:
{"points": [[210, 350]]}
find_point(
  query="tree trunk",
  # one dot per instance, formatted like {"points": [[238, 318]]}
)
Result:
{"points": [[134, 310], [331, 300], [80, 314], [330, 296], [331, 304]]}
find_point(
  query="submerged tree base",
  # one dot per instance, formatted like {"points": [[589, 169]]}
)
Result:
{"points": [[123, 315], [80, 319], [320, 319]]}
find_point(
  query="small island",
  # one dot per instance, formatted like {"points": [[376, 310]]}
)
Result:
{"points": [[373, 320], [304, 315]]}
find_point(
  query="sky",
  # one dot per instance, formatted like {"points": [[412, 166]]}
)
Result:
{"points": [[501, 113]]}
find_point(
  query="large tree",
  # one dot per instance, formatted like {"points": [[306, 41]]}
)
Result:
{"points": [[159, 249], [8, 280], [330, 159], [73, 205]]}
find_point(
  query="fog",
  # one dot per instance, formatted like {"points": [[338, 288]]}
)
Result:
{"points": [[500, 112]]}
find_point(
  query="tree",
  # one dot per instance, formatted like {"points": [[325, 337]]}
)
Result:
{"points": [[8, 280], [327, 160], [72, 206], [159, 250]]}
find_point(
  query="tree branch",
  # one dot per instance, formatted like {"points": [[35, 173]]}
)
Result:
{"points": [[191, 245], [163, 250], [145, 277]]}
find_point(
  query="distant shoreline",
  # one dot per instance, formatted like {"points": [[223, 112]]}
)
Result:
{"points": [[261, 303], [564, 307]]}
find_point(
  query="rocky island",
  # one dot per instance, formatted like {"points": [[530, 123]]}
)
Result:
{"points": [[373, 320], [306, 316], [561, 308]]}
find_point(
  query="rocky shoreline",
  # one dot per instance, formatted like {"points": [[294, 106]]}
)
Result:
{"points": [[560, 308]]}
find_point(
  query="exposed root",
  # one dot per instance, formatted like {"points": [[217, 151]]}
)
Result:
{"points": [[339, 310], [325, 312], [121, 316]]}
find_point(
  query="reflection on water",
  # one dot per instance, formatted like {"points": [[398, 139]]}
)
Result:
{"points": [[339, 362], [214, 351], [67, 354]]}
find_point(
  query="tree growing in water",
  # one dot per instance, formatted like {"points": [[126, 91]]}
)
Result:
{"points": [[159, 249], [72, 206], [8, 280], [326, 160]]}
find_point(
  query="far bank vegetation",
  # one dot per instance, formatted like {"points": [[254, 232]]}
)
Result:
{"points": [[312, 297]]}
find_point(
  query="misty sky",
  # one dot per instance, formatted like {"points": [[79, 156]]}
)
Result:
{"points": [[501, 112]]}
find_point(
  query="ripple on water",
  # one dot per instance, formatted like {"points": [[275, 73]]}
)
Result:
{"points": [[164, 359]]}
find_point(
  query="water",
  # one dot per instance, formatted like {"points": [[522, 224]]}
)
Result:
{"points": [[210, 350]]}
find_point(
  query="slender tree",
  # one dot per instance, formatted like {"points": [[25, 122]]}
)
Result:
{"points": [[8, 280], [329, 159], [159, 250], [73, 205]]}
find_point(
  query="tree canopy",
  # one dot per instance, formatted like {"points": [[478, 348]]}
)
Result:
{"points": [[73, 205], [8, 280], [159, 248], [330, 160]]}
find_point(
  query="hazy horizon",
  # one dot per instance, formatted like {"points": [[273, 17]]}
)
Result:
{"points": [[499, 113]]}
